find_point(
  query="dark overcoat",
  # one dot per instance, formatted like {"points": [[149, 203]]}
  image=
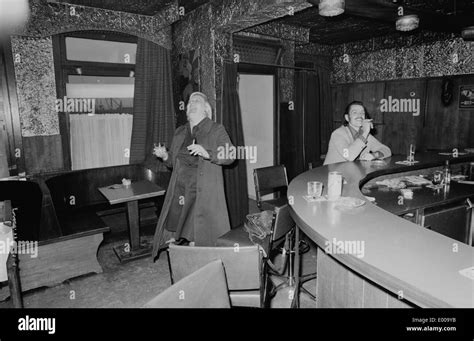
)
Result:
{"points": [[211, 219]]}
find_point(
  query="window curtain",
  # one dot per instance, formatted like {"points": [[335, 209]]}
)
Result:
{"points": [[325, 106], [235, 175], [305, 132], [100, 141], [311, 113], [153, 109]]}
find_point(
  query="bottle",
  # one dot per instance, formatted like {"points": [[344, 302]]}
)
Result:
{"points": [[447, 173]]}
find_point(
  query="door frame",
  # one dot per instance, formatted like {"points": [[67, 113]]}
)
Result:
{"points": [[255, 69], [16, 165]]}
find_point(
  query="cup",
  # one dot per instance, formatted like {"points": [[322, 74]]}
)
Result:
{"points": [[437, 177], [411, 153], [334, 185], [315, 189], [470, 172]]}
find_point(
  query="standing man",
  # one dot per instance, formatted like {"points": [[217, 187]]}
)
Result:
{"points": [[194, 209]]}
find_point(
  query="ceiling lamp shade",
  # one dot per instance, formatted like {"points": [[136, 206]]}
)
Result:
{"points": [[407, 23], [13, 15], [468, 33], [331, 8]]}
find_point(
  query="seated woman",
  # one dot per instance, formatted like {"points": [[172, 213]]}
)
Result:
{"points": [[353, 141]]}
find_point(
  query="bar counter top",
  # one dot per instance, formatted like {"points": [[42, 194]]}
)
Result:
{"points": [[419, 265]]}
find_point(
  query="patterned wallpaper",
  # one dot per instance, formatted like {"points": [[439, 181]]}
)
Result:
{"points": [[423, 55], [36, 85], [34, 69], [208, 29], [52, 18], [289, 35]]}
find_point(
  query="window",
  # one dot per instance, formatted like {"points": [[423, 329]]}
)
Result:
{"points": [[95, 81], [91, 50]]}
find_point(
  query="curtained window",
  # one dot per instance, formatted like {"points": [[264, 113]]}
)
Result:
{"points": [[96, 86], [112, 132]]}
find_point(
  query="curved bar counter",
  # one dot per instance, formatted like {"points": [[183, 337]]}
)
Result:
{"points": [[401, 260]]}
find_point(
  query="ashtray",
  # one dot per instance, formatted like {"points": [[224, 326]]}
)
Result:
{"points": [[309, 198], [350, 202]]}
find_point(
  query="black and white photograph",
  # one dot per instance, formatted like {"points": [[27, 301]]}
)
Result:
{"points": [[293, 156]]}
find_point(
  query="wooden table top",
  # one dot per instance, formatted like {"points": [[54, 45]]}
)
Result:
{"points": [[142, 189]]}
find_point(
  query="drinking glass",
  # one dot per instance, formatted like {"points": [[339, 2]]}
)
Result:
{"points": [[437, 177], [315, 189], [411, 153]]}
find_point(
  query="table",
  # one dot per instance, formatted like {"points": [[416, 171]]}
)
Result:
{"points": [[401, 258], [117, 194]]}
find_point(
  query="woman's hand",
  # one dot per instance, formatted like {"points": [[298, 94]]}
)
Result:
{"points": [[160, 151], [197, 149]]}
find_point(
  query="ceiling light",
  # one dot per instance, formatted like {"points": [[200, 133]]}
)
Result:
{"points": [[407, 23], [468, 33], [331, 8]]}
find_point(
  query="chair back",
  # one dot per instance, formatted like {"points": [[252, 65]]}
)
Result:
{"points": [[204, 288], [26, 199], [283, 223], [241, 264], [269, 180]]}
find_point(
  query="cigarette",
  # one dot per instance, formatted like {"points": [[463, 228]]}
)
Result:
{"points": [[194, 140]]}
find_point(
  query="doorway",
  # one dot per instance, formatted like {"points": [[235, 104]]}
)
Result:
{"points": [[257, 101]]}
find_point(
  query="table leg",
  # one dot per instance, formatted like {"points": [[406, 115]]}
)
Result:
{"points": [[14, 281], [296, 298], [135, 249], [133, 217]]}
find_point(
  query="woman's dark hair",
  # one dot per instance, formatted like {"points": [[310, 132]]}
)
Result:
{"points": [[367, 115]]}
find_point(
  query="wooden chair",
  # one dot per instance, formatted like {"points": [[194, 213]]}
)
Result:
{"points": [[204, 288], [243, 269], [269, 180]]}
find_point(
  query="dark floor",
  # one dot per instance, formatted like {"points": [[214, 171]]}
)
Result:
{"points": [[132, 284]]}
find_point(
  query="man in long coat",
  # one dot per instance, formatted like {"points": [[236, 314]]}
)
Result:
{"points": [[195, 205]]}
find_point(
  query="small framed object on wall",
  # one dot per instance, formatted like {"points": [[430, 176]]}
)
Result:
{"points": [[466, 97]]}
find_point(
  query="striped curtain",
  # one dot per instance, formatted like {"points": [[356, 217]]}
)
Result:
{"points": [[101, 140], [153, 107]]}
